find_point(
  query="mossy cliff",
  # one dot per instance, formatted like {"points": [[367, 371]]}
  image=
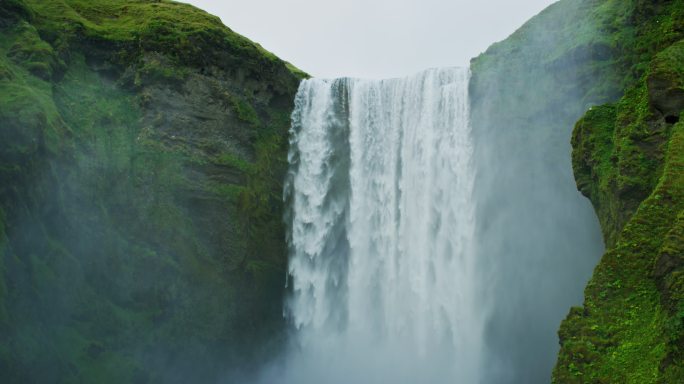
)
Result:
{"points": [[538, 238], [142, 147], [527, 93], [628, 158]]}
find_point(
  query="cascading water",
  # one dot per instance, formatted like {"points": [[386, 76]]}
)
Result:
{"points": [[381, 231]]}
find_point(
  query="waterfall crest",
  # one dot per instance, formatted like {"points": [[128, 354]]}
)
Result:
{"points": [[381, 228]]}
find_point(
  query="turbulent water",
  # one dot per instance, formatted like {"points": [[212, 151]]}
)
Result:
{"points": [[381, 232]]}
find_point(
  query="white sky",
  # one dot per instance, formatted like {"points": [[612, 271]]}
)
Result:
{"points": [[373, 38]]}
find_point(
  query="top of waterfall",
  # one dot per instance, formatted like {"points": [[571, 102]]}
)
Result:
{"points": [[409, 75]]}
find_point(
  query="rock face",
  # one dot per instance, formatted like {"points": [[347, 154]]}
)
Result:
{"points": [[143, 149], [628, 158], [527, 92]]}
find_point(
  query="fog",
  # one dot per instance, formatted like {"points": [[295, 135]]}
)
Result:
{"points": [[534, 244], [538, 238]]}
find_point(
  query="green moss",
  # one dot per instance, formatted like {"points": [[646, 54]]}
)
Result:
{"points": [[297, 72], [577, 45], [5, 72], [29, 119], [225, 192], [617, 158], [245, 111], [156, 69], [594, 164], [185, 34], [13, 10], [32, 53], [621, 334], [131, 254], [261, 204], [628, 158], [230, 160]]}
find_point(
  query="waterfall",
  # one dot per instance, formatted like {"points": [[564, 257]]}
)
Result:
{"points": [[381, 227]]}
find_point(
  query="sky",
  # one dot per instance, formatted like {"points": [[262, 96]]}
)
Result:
{"points": [[373, 38]]}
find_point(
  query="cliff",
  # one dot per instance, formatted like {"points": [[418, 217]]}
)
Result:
{"points": [[527, 93], [628, 159], [143, 149]]}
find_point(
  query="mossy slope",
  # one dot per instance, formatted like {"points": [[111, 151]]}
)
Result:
{"points": [[142, 149], [628, 159]]}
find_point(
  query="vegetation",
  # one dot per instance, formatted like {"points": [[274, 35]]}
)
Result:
{"points": [[628, 159], [140, 181], [623, 60]]}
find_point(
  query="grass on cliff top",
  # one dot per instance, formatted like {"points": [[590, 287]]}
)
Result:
{"points": [[622, 34], [126, 20], [171, 27], [559, 29]]}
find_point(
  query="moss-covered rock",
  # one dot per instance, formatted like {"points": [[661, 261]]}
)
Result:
{"points": [[143, 147], [620, 62], [628, 159], [12, 11]]}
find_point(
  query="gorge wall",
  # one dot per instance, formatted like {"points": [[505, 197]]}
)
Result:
{"points": [[143, 146]]}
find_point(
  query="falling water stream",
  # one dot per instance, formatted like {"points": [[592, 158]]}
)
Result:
{"points": [[381, 228]]}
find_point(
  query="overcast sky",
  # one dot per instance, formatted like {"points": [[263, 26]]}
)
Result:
{"points": [[373, 38]]}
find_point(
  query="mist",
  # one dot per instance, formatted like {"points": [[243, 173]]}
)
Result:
{"points": [[534, 243], [538, 239], [380, 228], [428, 230]]}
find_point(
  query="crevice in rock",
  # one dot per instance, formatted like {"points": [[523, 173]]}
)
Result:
{"points": [[671, 119]]}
